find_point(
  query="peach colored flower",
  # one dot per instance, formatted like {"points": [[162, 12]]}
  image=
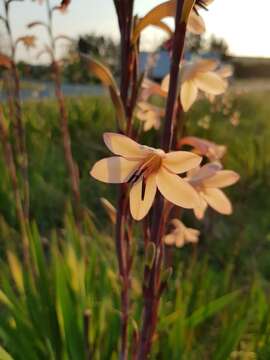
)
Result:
{"points": [[199, 75], [207, 181], [147, 169], [204, 147], [150, 115], [225, 71], [150, 88], [181, 235], [196, 23]]}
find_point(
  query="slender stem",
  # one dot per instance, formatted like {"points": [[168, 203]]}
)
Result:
{"points": [[66, 139], [153, 287], [71, 164], [20, 129], [124, 10], [16, 112], [11, 168], [178, 47], [86, 331]]}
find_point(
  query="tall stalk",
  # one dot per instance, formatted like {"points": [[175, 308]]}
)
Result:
{"points": [[11, 168], [124, 9], [66, 139], [154, 284], [16, 113]]}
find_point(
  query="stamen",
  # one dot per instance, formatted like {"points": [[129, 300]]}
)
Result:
{"points": [[143, 188], [136, 175], [141, 170], [201, 4]]}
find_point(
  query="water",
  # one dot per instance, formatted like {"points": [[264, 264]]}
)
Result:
{"points": [[38, 90]]}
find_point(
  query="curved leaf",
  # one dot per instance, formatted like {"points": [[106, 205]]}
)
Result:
{"points": [[154, 16], [106, 77], [4, 355]]}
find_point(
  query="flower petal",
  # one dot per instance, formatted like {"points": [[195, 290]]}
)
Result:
{"points": [[169, 239], [211, 83], [205, 65], [189, 93], [195, 23], [113, 170], [199, 210], [180, 238], [176, 189], [139, 207], [198, 175], [192, 235], [225, 71], [218, 201], [177, 223], [181, 161], [222, 179], [123, 145]]}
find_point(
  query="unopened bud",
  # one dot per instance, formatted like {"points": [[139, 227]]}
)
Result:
{"points": [[150, 254], [166, 275]]}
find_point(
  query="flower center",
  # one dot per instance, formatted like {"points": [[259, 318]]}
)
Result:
{"points": [[150, 165]]}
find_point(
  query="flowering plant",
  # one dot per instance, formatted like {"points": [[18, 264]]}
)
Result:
{"points": [[150, 182]]}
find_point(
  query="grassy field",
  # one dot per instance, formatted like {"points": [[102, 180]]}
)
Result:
{"points": [[217, 305]]}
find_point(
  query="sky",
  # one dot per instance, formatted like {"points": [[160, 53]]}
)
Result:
{"points": [[244, 24]]}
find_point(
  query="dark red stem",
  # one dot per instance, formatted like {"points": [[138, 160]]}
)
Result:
{"points": [[153, 287], [71, 164], [124, 9]]}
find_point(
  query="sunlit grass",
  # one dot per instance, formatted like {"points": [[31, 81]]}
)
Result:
{"points": [[216, 306]]}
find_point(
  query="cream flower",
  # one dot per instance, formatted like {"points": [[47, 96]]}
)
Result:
{"points": [[147, 169], [196, 23], [225, 71], [181, 235], [150, 115], [150, 88], [208, 180], [199, 75], [204, 147]]}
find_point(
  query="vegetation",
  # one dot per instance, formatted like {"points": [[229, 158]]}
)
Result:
{"points": [[216, 305], [128, 271]]}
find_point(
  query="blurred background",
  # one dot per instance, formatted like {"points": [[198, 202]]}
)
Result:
{"points": [[217, 304]]}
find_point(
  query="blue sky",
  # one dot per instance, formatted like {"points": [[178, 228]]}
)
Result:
{"points": [[242, 24]]}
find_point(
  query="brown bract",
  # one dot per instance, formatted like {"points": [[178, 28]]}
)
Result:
{"points": [[28, 41], [63, 6], [5, 61]]}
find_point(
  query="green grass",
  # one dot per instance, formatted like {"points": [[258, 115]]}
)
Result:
{"points": [[217, 304]]}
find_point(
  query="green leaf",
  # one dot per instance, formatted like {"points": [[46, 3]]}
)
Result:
{"points": [[4, 355], [203, 313], [210, 309]]}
